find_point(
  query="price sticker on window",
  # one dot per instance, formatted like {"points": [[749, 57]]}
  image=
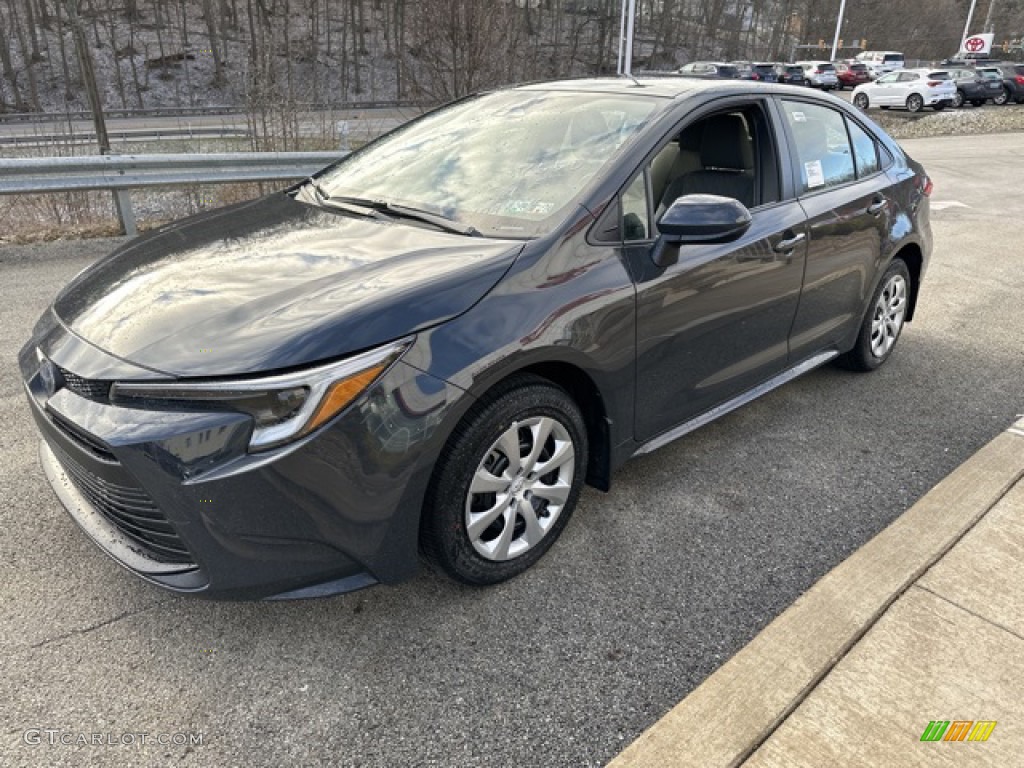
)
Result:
{"points": [[815, 175]]}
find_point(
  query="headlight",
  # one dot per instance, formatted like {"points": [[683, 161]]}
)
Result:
{"points": [[283, 407]]}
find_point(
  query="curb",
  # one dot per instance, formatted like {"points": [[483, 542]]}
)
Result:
{"points": [[737, 708]]}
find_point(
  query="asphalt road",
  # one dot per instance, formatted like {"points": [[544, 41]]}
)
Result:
{"points": [[650, 589]]}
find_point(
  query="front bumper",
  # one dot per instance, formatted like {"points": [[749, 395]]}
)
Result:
{"points": [[174, 497]]}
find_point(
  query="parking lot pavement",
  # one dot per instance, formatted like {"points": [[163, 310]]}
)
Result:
{"points": [[650, 589]]}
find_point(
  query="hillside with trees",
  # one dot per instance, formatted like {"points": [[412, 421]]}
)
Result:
{"points": [[245, 53]]}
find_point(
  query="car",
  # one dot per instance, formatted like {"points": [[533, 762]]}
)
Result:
{"points": [[881, 62], [756, 71], [791, 74], [976, 86], [851, 75], [819, 74], [1012, 76], [431, 345], [914, 89], [714, 70]]}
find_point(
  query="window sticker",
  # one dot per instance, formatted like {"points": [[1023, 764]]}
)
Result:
{"points": [[815, 175], [799, 117]]}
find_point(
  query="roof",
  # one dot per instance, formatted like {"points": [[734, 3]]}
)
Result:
{"points": [[666, 87]]}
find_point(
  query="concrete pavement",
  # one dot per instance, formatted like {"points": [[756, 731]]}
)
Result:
{"points": [[924, 623]]}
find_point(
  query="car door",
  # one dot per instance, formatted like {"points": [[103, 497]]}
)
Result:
{"points": [[844, 192], [716, 322], [881, 91]]}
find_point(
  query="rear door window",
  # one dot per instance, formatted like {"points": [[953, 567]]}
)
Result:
{"points": [[865, 150], [824, 155]]}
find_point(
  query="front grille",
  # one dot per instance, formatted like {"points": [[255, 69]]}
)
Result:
{"points": [[91, 389], [131, 510]]}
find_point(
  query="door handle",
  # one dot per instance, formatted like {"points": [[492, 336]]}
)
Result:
{"points": [[785, 246], [877, 205]]}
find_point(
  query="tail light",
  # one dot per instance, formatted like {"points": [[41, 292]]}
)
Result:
{"points": [[755, 76], [934, 83], [928, 187], [1019, 79]]}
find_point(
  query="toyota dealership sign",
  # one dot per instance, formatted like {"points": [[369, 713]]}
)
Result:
{"points": [[977, 43]]}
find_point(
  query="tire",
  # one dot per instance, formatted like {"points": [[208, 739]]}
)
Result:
{"points": [[1002, 98], [807, 83], [978, 102], [861, 101], [1019, 101], [939, 106], [915, 103], [883, 322], [491, 534], [958, 99]]}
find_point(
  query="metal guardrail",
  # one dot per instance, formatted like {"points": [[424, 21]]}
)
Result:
{"points": [[127, 134], [35, 117], [122, 173]]}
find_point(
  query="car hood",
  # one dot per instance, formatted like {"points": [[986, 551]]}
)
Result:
{"points": [[273, 284]]}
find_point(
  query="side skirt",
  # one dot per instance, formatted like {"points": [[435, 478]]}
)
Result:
{"points": [[731, 405]]}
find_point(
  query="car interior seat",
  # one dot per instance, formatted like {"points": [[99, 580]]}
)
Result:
{"points": [[726, 163]]}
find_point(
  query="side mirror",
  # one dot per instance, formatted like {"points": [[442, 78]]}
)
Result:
{"points": [[695, 219]]}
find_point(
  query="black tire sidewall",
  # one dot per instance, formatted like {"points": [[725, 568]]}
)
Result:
{"points": [[444, 536]]}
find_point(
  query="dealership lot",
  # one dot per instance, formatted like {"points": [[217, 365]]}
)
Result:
{"points": [[651, 587]]}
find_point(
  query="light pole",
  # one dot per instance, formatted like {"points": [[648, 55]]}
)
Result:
{"points": [[626, 37], [970, 15], [839, 27]]}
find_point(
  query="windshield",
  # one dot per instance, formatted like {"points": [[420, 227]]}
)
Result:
{"points": [[728, 71], [509, 163], [890, 58]]}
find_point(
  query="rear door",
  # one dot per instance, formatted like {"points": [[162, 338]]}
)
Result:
{"points": [[844, 192]]}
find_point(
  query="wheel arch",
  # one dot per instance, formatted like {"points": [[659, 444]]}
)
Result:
{"points": [[912, 256]]}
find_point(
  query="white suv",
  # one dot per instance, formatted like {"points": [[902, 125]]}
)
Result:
{"points": [[914, 89], [881, 62], [820, 74]]}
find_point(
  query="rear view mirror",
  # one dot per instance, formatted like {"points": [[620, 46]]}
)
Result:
{"points": [[695, 219]]}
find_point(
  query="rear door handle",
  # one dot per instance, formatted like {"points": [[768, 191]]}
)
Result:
{"points": [[787, 245], [877, 205]]}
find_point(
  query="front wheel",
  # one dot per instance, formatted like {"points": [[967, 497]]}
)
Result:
{"points": [[915, 103], [861, 101], [506, 482], [1002, 98], [939, 106], [958, 99], [883, 321]]}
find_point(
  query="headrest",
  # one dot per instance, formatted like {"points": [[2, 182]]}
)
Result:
{"points": [[725, 144]]}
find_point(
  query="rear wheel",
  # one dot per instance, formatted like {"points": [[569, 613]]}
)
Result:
{"points": [[883, 321], [861, 101], [506, 482], [1002, 98], [939, 106], [959, 99], [915, 103]]}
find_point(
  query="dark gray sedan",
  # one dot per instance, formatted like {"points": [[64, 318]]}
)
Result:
{"points": [[431, 345]]}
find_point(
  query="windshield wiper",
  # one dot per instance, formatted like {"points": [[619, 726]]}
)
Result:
{"points": [[371, 206]]}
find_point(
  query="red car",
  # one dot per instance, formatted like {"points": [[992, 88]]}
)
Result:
{"points": [[852, 75]]}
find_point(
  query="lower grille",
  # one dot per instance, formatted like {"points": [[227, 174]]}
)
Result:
{"points": [[131, 510], [84, 440]]}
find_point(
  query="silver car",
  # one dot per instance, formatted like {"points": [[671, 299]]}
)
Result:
{"points": [[820, 74]]}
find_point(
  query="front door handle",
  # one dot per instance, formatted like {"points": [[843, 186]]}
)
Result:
{"points": [[877, 205], [787, 245]]}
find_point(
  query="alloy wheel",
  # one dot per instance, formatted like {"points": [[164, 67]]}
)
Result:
{"points": [[890, 310], [958, 99], [915, 103], [520, 488]]}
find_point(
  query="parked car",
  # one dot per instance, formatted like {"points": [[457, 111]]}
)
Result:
{"points": [[433, 343], [881, 62], [712, 70], [977, 86], [914, 89], [851, 75], [791, 74], [819, 74], [756, 71], [1013, 81]]}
